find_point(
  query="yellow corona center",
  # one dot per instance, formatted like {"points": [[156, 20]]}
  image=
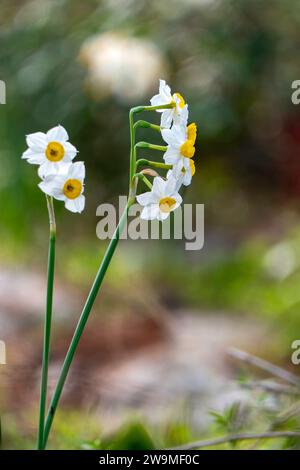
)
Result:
{"points": [[72, 188], [181, 100], [55, 151], [192, 132], [166, 204], [187, 149]]}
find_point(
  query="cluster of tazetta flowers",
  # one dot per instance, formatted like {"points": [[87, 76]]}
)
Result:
{"points": [[180, 137], [61, 178]]}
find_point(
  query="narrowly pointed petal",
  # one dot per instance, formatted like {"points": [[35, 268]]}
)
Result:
{"points": [[37, 141], [57, 134], [150, 212]]}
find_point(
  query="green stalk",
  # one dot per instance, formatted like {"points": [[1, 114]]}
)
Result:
{"points": [[144, 162], [144, 179], [83, 319], [48, 319], [101, 272], [146, 125], [132, 112], [146, 145]]}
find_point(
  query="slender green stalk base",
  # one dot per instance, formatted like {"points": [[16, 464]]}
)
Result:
{"points": [[48, 319], [82, 321]]}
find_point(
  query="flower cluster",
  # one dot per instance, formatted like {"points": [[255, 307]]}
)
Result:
{"points": [[61, 178], [180, 138]]}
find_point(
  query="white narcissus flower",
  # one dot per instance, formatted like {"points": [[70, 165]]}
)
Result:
{"points": [[161, 200], [178, 114], [181, 143], [51, 150], [67, 186]]}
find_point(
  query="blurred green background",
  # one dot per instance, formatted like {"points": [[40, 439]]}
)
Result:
{"points": [[83, 65]]}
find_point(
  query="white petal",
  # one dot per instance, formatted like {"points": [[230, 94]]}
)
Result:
{"points": [[171, 136], [179, 133], [179, 178], [170, 185], [167, 118], [33, 157], [75, 205], [157, 101], [70, 151], [77, 170], [145, 198], [63, 167], [57, 134], [182, 117], [150, 212], [158, 187], [166, 135], [178, 199], [47, 168], [165, 90], [37, 141], [187, 178], [163, 215], [52, 187], [172, 156]]}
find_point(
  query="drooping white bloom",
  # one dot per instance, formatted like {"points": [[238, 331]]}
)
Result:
{"points": [[181, 143], [50, 150], [161, 200], [67, 186], [178, 114]]}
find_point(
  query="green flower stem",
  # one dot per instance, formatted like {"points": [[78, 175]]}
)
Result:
{"points": [[83, 319], [144, 179], [146, 145], [146, 125], [144, 162], [132, 112], [48, 319]]}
